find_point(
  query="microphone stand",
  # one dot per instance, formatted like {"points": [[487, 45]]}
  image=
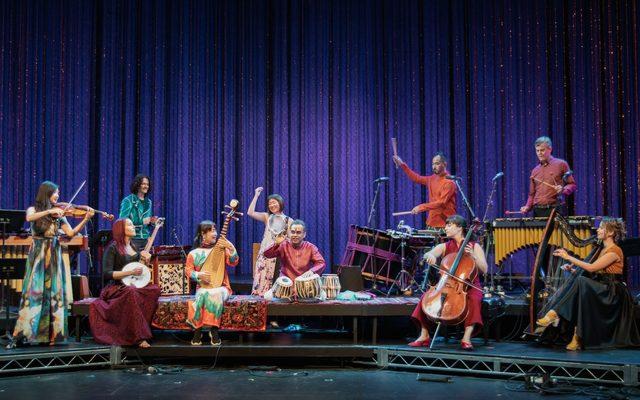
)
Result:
{"points": [[489, 242], [184, 260], [372, 211], [464, 198]]}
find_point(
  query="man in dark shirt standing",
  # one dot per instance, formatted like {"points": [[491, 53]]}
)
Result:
{"points": [[550, 179]]}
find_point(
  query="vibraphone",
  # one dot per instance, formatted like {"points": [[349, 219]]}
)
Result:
{"points": [[18, 247], [514, 234]]}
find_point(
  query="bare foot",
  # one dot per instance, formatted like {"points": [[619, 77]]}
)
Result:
{"points": [[144, 345]]}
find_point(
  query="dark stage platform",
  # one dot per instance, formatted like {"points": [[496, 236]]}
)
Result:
{"points": [[86, 354], [369, 311], [498, 359], [353, 339]]}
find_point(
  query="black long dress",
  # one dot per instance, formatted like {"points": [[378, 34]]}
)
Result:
{"points": [[601, 308]]}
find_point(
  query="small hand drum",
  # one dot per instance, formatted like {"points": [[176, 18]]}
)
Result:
{"points": [[277, 224], [283, 288]]}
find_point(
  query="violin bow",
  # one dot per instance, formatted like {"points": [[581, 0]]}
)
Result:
{"points": [[466, 282], [75, 195]]}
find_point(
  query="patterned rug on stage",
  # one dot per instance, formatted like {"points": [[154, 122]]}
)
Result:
{"points": [[241, 313]]}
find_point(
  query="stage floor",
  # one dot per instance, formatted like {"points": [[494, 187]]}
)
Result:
{"points": [[243, 383]]}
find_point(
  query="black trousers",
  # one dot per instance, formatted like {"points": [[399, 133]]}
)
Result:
{"points": [[545, 211]]}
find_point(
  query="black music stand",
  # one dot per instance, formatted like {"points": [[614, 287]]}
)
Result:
{"points": [[11, 223], [100, 240]]}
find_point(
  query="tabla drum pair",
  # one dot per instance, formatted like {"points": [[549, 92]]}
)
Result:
{"points": [[331, 285]]}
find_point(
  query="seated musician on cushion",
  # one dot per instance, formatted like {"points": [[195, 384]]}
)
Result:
{"points": [[597, 304], [298, 257], [455, 229], [122, 315], [205, 311]]}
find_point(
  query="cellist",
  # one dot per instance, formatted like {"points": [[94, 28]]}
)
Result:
{"points": [[455, 229]]}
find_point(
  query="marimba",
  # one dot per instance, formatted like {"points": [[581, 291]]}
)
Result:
{"points": [[18, 247], [513, 234]]}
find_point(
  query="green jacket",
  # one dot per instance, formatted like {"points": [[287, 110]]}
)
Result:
{"points": [[136, 210]]}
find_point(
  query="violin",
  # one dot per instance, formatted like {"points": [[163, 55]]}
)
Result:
{"points": [[80, 211], [446, 302]]}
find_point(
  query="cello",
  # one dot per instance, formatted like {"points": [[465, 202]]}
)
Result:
{"points": [[446, 302]]}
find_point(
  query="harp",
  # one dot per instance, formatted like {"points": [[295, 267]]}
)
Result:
{"points": [[548, 279]]}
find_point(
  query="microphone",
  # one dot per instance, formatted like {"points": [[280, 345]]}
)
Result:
{"points": [[381, 179], [453, 177], [498, 176]]}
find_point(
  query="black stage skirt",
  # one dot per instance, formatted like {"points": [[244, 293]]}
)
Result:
{"points": [[602, 310]]}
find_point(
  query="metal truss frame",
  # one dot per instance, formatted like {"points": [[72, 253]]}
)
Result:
{"points": [[505, 367], [11, 363]]}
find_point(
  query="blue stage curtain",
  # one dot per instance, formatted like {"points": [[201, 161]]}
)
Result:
{"points": [[303, 97]]}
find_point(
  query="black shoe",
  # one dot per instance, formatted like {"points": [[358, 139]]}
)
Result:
{"points": [[215, 338], [197, 338]]}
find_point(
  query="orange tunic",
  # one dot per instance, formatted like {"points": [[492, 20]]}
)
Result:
{"points": [[616, 267], [442, 196]]}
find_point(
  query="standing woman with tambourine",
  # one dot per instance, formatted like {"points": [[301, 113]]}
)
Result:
{"points": [[275, 222], [122, 315], [42, 316]]}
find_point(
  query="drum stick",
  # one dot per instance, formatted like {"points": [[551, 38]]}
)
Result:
{"points": [[394, 144], [513, 212], [397, 214], [543, 182]]}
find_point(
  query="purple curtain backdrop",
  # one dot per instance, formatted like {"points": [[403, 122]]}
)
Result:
{"points": [[303, 97]]}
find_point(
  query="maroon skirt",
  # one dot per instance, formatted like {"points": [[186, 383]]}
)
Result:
{"points": [[474, 316], [122, 315]]}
